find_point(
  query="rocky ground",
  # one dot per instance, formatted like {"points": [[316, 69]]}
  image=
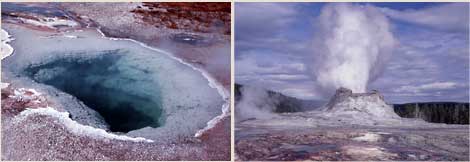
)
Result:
{"points": [[194, 17], [205, 44], [352, 126], [346, 143]]}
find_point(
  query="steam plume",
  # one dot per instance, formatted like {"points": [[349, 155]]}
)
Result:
{"points": [[255, 103], [351, 47]]}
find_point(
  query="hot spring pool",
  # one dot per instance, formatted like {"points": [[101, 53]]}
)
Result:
{"points": [[100, 85], [136, 90]]}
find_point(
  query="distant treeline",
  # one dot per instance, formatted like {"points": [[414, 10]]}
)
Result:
{"points": [[435, 112]]}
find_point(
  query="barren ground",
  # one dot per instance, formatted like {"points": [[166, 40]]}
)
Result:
{"points": [[343, 143]]}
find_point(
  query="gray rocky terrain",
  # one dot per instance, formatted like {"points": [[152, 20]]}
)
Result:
{"points": [[351, 126]]}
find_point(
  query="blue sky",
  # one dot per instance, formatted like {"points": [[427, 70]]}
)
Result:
{"points": [[431, 63]]}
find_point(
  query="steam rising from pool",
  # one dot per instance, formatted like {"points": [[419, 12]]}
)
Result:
{"points": [[136, 90]]}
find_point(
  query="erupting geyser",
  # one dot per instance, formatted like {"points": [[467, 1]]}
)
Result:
{"points": [[351, 47]]}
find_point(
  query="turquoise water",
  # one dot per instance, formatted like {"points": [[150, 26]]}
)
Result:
{"points": [[87, 80], [144, 92]]}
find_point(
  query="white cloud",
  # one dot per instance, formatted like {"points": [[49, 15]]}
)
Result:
{"points": [[452, 16], [262, 19], [429, 86], [425, 56], [256, 62]]}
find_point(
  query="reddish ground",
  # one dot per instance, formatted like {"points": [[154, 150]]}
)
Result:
{"points": [[43, 138], [12, 106], [195, 17]]}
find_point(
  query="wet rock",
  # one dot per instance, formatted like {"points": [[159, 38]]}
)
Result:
{"points": [[327, 144], [191, 39]]}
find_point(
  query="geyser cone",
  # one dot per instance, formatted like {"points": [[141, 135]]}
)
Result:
{"points": [[362, 105]]}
